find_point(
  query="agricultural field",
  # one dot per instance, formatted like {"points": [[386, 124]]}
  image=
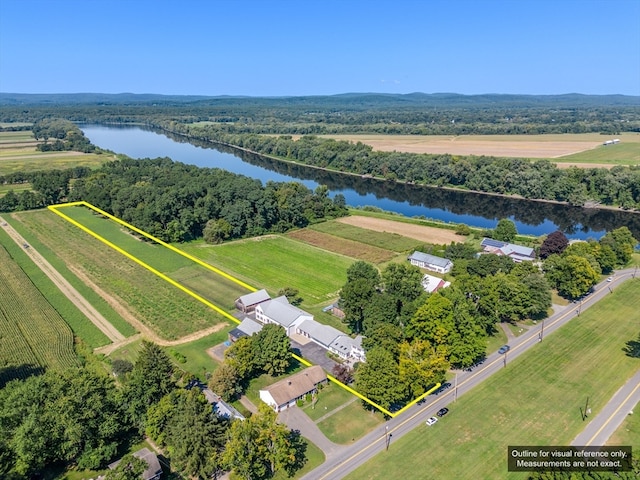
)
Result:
{"points": [[561, 148], [18, 153], [17, 188], [274, 262], [220, 291], [33, 335], [145, 300], [534, 401]]}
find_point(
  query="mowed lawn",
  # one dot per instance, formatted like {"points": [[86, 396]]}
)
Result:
{"points": [[274, 262], [536, 400]]}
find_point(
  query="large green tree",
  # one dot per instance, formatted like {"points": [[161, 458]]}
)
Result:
{"points": [[379, 379], [572, 276], [259, 446], [420, 367], [272, 349], [505, 231], [150, 380], [73, 416], [195, 436]]}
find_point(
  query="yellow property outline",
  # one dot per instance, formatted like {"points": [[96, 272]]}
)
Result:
{"points": [[55, 209]]}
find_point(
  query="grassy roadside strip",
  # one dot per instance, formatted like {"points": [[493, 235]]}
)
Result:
{"points": [[534, 401], [92, 297], [81, 326]]}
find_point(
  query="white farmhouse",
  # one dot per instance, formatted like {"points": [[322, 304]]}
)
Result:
{"points": [[281, 312], [431, 262]]}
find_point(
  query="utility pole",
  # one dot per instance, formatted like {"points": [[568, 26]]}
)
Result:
{"points": [[505, 359], [541, 334], [386, 437]]}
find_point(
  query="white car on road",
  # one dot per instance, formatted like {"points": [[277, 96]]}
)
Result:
{"points": [[431, 421]]}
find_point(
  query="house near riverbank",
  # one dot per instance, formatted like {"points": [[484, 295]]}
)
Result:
{"points": [[517, 253], [431, 262], [285, 393]]}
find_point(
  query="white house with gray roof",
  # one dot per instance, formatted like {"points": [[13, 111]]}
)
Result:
{"points": [[431, 262], [281, 312], [332, 339]]}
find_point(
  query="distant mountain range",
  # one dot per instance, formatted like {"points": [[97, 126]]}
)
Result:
{"points": [[347, 99]]}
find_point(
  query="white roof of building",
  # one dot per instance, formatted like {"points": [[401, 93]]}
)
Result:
{"points": [[281, 311], [430, 259], [432, 284]]}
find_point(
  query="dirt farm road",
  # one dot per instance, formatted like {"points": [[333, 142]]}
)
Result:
{"points": [[65, 287], [118, 340]]}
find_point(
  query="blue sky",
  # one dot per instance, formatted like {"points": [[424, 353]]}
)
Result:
{"points": [[310, 47]]}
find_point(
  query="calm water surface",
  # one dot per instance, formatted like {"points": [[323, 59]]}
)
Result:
{"points": [[484, 211]]}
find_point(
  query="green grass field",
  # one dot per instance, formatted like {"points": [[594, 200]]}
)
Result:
{"points": [[275, 262], [198, 361], [628, 433], [350, 423], [33, 335], [624, 153], [534, 401]]}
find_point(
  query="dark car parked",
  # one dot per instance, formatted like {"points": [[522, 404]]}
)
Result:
{"points": [[442, 412]]}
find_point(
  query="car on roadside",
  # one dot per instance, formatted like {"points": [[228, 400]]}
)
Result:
{"points": [[610, 279], [504, 349], [442, 412], [431, 421]]}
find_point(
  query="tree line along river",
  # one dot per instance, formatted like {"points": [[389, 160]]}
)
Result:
{"points": [[446, 205]]}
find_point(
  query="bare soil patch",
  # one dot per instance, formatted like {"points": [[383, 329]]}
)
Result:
{"points": [[520, 146], [343, 246], [433, 235]]}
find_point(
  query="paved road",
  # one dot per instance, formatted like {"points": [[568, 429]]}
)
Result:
{"points": [[65, 287], [358, 453], [612, 415]]}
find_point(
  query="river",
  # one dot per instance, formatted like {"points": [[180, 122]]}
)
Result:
{"points": [[478, 210]]}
